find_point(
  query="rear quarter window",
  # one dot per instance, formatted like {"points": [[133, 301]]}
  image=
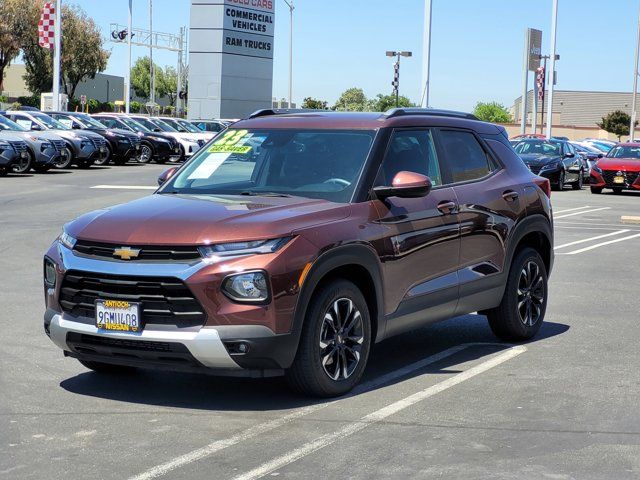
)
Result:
{"points": [[466, 158]]}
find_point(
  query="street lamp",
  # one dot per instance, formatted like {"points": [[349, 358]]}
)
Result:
{"points": [[632, 126], [291, 9], [396, 71]]}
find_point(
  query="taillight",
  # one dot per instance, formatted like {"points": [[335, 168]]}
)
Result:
{"points": [[544, 184]]}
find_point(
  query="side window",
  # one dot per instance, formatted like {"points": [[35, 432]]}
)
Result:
{"points": [[412, 151], [466, 158], [23, 121], [107, 122]]}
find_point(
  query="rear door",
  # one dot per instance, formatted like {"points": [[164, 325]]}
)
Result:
{"points": [[422, 237], [489, 205]]}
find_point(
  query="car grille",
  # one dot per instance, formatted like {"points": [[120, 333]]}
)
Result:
{"points": [[608, 176], [18, 145], [146, 253], [58, 144], [98, 142], [164, 300]]}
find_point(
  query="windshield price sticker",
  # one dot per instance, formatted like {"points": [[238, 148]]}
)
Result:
{"points": [[229, 149], [208, 166]]}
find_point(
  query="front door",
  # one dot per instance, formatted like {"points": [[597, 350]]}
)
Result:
{"points": [[422, 237]]}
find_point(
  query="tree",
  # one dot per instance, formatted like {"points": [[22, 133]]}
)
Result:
{"points": [[82, 55], [314, 104], [616, 122], [140, 77], [493, 112], [168, 84], [15, 15], [382, 103], [353, 100]]}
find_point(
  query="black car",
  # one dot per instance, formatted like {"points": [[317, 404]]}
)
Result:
{"points": [[556, 160], [123, 145], [154, 146]]}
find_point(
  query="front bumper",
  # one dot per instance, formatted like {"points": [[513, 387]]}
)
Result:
{"points": [[8, 157]]}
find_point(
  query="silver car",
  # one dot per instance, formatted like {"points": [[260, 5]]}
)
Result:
{"points": [[84, 147], [44, 149]]}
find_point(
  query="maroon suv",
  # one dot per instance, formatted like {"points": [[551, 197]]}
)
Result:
{"points": [[294, 241]]}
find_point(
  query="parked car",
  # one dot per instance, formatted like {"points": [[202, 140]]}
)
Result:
{"points": [[44, 149], [524, 136], [589, 154], [13, 153], [154, 146], [556, 160], [84, 147], [123, 145], [214, 126], [603, 145], [346, 230], [618, 170], [189, 144], [183, 126]]}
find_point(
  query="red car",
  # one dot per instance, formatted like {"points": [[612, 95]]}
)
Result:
{"points": [[619, 170]]}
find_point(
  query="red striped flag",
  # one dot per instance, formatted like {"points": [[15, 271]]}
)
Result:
{"points": [[46, 26]]}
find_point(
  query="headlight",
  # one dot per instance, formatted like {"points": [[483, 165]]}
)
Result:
{"points": [[242, 248], [49, 273], [67, 240], [551, 166], [247, 287]]}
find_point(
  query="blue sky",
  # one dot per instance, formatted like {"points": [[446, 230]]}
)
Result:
{"points": [[476, 45]]}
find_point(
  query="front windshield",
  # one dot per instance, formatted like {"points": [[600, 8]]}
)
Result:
{"points": [[133, 125], [163, 125], [323, 164], [188, 126], [625, 151], [6, 124], [147, 123], [87, 120], [173, 124], [50, 122], [602, 146], [537, 147]]}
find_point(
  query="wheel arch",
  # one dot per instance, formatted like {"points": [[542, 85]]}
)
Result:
{"points": [[536, 232]]}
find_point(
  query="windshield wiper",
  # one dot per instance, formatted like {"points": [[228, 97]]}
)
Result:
{"points": [[264, 194]]}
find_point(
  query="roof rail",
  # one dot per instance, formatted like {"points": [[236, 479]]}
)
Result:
{"points": [[265, 112], [401, 112]]}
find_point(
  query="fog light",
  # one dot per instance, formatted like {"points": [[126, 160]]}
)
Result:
{"points": [[247, 287], [237, 348], [49, 273]]}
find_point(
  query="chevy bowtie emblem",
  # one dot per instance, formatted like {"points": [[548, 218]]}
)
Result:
{"points": [[126, 253]]}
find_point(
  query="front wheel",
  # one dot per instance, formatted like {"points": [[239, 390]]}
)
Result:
{"points": [[64, 161], [577, 185], [42, 168], [104, 160], [596, 190], [560, 185], [335, 342], [24, 163], [146, 153], [85, 164], [524, 303]]}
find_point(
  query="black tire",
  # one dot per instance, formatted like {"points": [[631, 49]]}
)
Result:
{"points": [[558, 187], [309, 374], [596, 190], [506, 320], [577, 185], [24, 164], [617, 190], [146, 153], [85, 164], [105, 367], [42, 168], [65, 162], [105, 160]]}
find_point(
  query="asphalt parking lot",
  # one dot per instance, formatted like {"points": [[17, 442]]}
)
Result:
{"points": [[448, 401]]}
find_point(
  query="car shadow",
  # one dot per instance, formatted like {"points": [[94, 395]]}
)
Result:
{"points": [[204, 392]]}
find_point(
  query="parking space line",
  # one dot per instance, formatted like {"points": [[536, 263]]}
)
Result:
{"points": [[598, 245], [572, 209], [581, 212], [259, 429], [378, 415], [568, 222], [126, 187], [585, 240]]}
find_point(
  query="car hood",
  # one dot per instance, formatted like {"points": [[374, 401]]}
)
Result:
{"points": [[166, 219], [49, 135], [538, 160], [11, 135], [73, 134], [622, 164]]}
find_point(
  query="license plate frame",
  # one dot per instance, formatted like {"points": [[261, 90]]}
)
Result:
{"points": [[118, 316], [618, 179]]}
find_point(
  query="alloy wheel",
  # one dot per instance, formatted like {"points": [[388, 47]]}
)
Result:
{"points": [[341, 339], [531, 292], [23, 165], [145, 154]]}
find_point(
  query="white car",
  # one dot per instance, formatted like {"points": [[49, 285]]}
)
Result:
{"points": [[183, 126], [189, 142]]}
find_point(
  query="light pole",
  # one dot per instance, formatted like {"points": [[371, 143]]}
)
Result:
{"points": [[426, 54], [291, 9], [152, 73], [632, 126], [396, 68], [551, 75], [127, 100]]}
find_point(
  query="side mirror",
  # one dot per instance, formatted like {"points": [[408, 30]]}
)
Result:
{"points": [[569, 155], [35, 126], [166, 175], [405, 185], [75, 126], [157, 129], [601, 155]]}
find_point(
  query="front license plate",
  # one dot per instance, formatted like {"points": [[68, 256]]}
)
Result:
{"points": [[618, 179], [118, 315]]}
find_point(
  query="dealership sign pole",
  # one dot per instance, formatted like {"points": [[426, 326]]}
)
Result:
{"points": [[426, 54], [551, 75], [127, 87], [632, 126], [532, 50]]}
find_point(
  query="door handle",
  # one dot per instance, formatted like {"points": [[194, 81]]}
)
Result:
{"points": [[510, 195], [447, 207]]}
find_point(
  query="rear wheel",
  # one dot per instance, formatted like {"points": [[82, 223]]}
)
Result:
{"points": [[105, 367], [577, 185], [596, 190], [24, 163], [335, 342], [524, 303]]}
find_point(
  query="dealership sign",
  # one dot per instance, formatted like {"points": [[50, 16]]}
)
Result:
{"points": [[534, 48]]}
